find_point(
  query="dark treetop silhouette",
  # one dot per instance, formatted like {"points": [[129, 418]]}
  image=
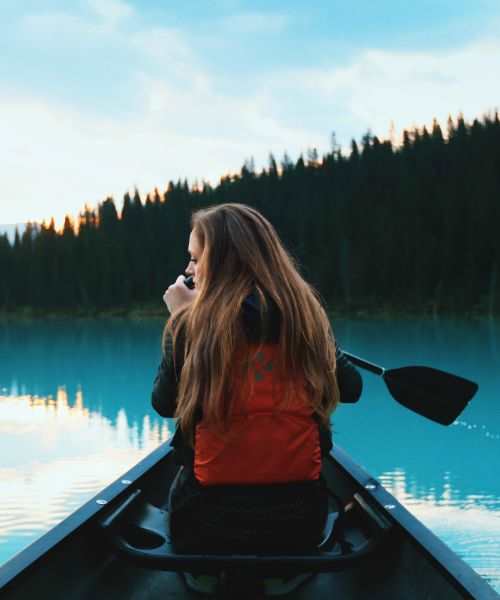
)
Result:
{"points": [[410, 228]]}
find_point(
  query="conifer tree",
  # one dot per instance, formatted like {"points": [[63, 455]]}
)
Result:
{"points": [[413, 227]]}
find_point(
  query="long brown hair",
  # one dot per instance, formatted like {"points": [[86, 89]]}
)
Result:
{"points": [[241, 254]]}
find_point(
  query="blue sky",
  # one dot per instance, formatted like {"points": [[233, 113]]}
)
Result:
{"points": [[97, 96]]}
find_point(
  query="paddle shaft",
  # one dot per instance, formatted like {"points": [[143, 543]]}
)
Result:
{"points": [[364, 364], [431, 393]]}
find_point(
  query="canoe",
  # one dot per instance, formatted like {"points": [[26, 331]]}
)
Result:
{"points": [[116, 546]]}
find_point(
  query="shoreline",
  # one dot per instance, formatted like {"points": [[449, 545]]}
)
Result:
{"points": [[153, 312]]}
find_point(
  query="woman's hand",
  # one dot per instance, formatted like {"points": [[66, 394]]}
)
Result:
{"points": [[178, 295]]}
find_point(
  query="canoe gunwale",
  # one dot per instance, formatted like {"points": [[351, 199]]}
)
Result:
{"points": [[453, 568], [21, 563], [460, 575]]}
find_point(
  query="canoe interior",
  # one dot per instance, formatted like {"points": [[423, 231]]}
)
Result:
{"points": [[75, 561]]}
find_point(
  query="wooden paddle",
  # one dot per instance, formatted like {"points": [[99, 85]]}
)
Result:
{"points": [[432, 393]]}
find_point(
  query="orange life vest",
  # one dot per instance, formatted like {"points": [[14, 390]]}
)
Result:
{"points": [[271, 438]]}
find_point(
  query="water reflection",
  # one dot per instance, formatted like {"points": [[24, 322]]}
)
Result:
{"points": [[446, 476], [57, 454], [75, 414], [470, 525], [112, 361]]}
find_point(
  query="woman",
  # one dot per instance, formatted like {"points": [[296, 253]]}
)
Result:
{"points": [[251, 372]]}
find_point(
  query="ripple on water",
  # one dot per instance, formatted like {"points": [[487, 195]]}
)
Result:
{"points": [[84, 439], [470, 525], [58, 464]]}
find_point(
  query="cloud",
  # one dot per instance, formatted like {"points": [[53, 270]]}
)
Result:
{"points": [[181, 116], [57, 159], [201, 111], [67, 32], [111, 10], [178, 121], [406, 88], [254, 23], [59, 28], [168, 53], [69, 29]]}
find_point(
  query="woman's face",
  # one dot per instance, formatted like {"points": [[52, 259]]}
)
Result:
{"points": [[195, 252]]}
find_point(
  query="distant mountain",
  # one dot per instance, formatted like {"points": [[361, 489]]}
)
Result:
{"points": [[10, 230]]}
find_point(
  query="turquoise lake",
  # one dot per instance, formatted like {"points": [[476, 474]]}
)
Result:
{"points": [[75, 414]]}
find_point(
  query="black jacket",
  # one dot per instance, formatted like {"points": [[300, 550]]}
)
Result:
{"points": [[190, 503], [166, 382]]}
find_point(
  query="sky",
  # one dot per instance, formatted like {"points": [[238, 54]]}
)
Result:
{"points": [[99, 96]]}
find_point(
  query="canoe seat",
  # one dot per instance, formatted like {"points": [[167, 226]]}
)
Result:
{"points": [[138, 531]]}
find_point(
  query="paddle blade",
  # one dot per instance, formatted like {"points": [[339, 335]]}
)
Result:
{"points": [[434, 394]]}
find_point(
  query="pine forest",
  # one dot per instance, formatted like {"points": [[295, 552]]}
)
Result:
{"points": [[406, 228]]}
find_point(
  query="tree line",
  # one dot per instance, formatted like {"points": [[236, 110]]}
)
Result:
{"points": [[405, 227]]}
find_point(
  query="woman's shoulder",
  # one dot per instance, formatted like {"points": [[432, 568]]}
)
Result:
{"points": [[261, 320]]}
